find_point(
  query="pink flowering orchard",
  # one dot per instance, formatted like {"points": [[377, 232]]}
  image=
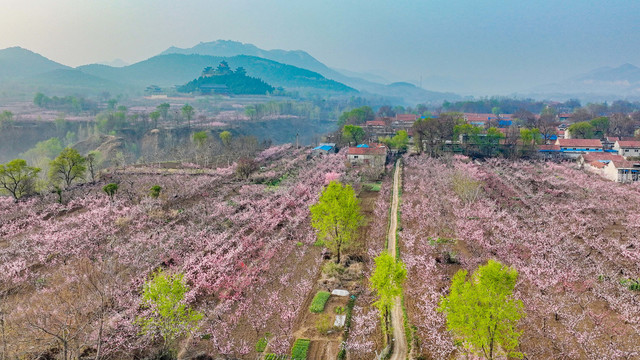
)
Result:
{"points": [[245, 247], [572, 236]]}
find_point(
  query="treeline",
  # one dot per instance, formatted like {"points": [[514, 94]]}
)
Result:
{"points": [[70, 104], [504, 105]]}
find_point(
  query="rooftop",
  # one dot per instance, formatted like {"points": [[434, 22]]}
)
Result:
{"points": [[581, 143]]}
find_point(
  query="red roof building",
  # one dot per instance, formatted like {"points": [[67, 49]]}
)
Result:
{"points": [[579, 144]]}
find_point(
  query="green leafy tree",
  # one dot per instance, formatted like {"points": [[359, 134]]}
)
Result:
{"points": [[187, 112], [399, 141], [17, 178], [581, 130], [387, 280], [111, 190], [225, 137], [356, 116], [482, 313], [163, 109], [67, 167], [169, 316], [200, 138], [155, 115], [600, 126], [155, 190], [336, 217], [353, 133]]}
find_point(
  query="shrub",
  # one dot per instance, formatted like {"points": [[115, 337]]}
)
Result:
{"points": [[155, 190], [332, 269], [339, 310], [319, 301], [300, 349], [111, 190]]}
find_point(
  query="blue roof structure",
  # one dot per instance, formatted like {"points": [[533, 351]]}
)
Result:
{"points": [[363, 146], [323, 147]]}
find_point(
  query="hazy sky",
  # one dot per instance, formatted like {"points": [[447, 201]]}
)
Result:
{"points": [[493, 45]]}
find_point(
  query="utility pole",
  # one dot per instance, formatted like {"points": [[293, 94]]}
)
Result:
{"points": [[297, 143]]}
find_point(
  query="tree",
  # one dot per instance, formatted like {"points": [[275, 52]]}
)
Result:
{"points": [[482, 313], [336, 217], [67, 167], [94, 159], [386, 111], [187, 112], [6, 119], [111, 190], [356, 116], [353, 133], [17, 178], [155, 115], [200, 138], [245, 167], [155, 190], [169, 316], [600, 126], [398, 141], [225, 137], [387, 280], [163, 109], [581, 130]]}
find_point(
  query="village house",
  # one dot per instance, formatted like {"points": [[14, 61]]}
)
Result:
{"points": [[623, 171], [403, 122], [610, 165], [628, 149], [572, 148], [324, 148], [373, 155]]}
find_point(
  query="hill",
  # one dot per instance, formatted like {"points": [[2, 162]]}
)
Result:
{"points": [[169, 70], [228, 48], [371, 85], [623, 80], [17, 63], [234, 82]]}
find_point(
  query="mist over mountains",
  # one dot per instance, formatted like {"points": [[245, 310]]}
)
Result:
{"points": [[294, 70]]}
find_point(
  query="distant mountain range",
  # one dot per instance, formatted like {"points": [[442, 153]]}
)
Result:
{"points": [[32, 72], [621, 81], [366, 83]]}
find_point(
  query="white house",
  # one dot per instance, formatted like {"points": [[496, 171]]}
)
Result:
{"points": [[622, 171], [374, 155], [627, 148]]}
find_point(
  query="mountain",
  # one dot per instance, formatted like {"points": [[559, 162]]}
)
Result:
{"points": [[18, 63], [177, 69], [623, 80], [228, 48], [367, 83]]}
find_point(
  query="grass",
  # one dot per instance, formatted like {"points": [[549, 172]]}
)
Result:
{"points": [[274, 357], [261, 345], [300, 349], [319, 301], [372, 186]]}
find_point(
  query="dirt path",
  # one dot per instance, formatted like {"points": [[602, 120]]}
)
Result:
{"points": [[397, 316]]}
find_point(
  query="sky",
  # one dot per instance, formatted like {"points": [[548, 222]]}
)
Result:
{"points": [[481, 47]]}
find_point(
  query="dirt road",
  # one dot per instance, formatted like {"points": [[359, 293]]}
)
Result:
{"points": [[397, 316]]}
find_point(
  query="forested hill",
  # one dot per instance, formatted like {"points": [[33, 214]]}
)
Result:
{"points": [[235, 82], [172, 69]]}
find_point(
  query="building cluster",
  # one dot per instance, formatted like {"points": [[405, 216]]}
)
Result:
{"points": [[615, 158]]}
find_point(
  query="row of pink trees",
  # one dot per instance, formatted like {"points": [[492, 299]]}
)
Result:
{"points": [[564, 230]]}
